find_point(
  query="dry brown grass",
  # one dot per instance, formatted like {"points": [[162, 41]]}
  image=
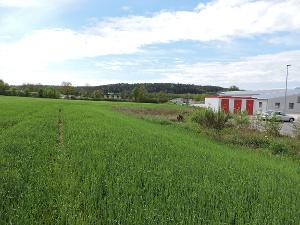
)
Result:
{"points": [[165, 113]]}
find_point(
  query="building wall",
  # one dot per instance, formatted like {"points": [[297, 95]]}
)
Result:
{"points": [[213, 103], [264, 105], [177, 101], [244, 105], [281, 100], [112, 96], [231, 105]]}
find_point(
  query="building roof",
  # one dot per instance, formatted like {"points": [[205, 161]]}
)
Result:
{"points": [[262, 94], [232, 96]]}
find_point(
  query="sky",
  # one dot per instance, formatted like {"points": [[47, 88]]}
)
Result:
{"points": [[247, 43]]}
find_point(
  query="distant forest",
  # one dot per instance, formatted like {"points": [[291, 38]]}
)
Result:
{"points": [[157, 87]]}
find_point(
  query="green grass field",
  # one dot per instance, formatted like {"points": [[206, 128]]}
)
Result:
{"points": [[77, 162]]}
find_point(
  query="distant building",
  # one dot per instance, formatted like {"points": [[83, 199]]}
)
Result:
{"points": [[62, 96], [256, 101], [184, 101], [115, 96], [177, 101]]}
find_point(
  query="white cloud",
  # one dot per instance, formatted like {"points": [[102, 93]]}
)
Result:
{"points": [[19, 3], [217, 20], [21, 16], [57, 45], [263, 71], [33, 3], [287, 39], [115, 65], [248, 72], [126, 8]]}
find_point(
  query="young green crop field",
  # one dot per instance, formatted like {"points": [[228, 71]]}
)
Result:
{"points": [[77, 162]]}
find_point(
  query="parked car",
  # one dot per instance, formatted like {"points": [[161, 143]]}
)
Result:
{"points": [[280, 116]]}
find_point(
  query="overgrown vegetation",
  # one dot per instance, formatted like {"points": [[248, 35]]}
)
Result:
{"points": [[237, 129], [297, 129], [162, 114], [272, 126], [241, 120], [117, 169], [210, 119]]}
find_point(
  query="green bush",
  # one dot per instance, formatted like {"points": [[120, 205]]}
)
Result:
{"points": [[257, 122], [278, 148], [250, 139], [241, 120], [209, 119], [273, 127], [296, 126]]}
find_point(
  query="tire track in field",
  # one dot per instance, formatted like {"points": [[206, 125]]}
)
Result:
{"points": [[59, 135]]}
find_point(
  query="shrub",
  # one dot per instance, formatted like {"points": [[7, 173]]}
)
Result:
{"points": [[257, 122], [273, 127], [251, 139], [278, 148], [210, 119], [241, 120], [180, 118], [296, 126]]}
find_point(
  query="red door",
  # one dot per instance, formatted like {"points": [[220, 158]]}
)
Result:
{"points": [[249, 106], [225, 105], [237, 105]]}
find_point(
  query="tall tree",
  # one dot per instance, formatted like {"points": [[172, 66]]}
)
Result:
{"points": [[161, 97], [233, 88], [26, 91], [125, 94], [51, 92], [97, 94], [140, 93], [67, 88], [41, 93], [3, 87]]}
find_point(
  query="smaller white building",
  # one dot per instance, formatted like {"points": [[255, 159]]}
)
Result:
{"points": [[231, 104], [111, 95], [256, 101], [184, 101]]}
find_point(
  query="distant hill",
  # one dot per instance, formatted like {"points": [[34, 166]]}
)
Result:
{"points": [[157, 87]]}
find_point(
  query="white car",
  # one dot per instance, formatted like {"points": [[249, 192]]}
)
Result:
{"points": [[280, 116]]}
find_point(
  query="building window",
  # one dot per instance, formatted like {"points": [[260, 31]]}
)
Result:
{"points": [[277, 105], [260, 104], [291, 105], [298, 101]]}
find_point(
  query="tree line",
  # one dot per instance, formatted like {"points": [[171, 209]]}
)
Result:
{"points": [[147, 92]]}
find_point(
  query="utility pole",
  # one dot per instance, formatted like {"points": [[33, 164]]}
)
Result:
{"points": [[286, 86]]}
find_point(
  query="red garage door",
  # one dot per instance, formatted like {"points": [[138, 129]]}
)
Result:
{"points": [[249, 106], [225, 105], [237, 105]]}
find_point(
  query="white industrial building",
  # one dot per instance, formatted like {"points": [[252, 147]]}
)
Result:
{"points": [[255, 101]]}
